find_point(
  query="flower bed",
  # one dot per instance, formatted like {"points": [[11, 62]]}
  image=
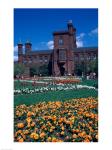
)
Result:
{"points": [[74, 120], [58, 87], [67, 81]]}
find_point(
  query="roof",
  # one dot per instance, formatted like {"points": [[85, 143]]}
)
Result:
{"points": [[60, 32], [40, 52], [86, 49], [81, 49]]}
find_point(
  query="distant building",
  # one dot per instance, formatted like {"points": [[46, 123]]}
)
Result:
{"points": [[63, 59]]}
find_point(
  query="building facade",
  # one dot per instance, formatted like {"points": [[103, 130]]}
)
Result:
{"points": [[63, 59]]}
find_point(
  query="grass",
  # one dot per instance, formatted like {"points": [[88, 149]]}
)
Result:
{"points": [[29, 99]]}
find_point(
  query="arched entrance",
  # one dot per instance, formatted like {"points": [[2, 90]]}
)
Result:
{"points": [[61, 68]]}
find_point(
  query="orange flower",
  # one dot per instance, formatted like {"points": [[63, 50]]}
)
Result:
{"points": [[21, 140], [54, 139], [42, 135], [54, 118], [86, 140], [20, 125], [29, 114]]}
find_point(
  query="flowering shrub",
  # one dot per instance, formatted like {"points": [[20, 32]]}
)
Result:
{"points": [[74, 120]]}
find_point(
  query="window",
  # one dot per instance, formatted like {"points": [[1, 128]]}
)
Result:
{"points": [[94, 57], [45, 58], [76, 58], [40, 59], [81, 57], [62, 55], [60, 41]]}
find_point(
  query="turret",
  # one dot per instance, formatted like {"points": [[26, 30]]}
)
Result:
{"points": [[20, 51], [72, 33], [71, 28], [28, 47]]}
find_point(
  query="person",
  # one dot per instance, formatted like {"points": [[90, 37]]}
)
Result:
{"points": [[87, 77], [94, 75]]}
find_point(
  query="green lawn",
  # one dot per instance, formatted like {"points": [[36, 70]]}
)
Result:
{"points": [[29, 99]]}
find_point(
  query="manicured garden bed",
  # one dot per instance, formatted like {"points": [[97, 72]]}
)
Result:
{"points": [[74, 120], [55, 110]]}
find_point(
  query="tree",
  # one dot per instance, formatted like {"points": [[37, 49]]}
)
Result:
{"points": [[33, 71], [94, 66], [81, 67], [19, 69], [87, 67], [43, 70]]}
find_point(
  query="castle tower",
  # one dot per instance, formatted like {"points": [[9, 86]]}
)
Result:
{"points": [[72, 34], [63, 54], [28, 46], [20, 52]]}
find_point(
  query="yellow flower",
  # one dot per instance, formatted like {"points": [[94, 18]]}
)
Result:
{"points": [[51, 130], [62, 128], [49, 139], [74, 136], [62, 133], [20, 125], [26, 132], [21, 140], [29, 119], [34, 136], [96, 137], [53, 127]]}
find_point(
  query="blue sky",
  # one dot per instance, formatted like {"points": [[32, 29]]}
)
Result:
{"points": [[37, 25]]}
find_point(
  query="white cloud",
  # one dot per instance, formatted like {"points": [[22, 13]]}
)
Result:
{"points": [[15, 58], [79, 40], [93, 32], [50, 44], [15, 48], [81, 35], [79, 43]]}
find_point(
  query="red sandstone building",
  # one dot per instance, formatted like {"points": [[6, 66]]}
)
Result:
{"points": [[63, 59]]}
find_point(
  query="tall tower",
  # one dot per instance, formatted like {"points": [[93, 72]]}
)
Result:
{"points": [[72, 35], [20, 52], [28, 46], [63, 53]]}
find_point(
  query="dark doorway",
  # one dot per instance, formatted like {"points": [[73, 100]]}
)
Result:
{"points": [[62, 69]]}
